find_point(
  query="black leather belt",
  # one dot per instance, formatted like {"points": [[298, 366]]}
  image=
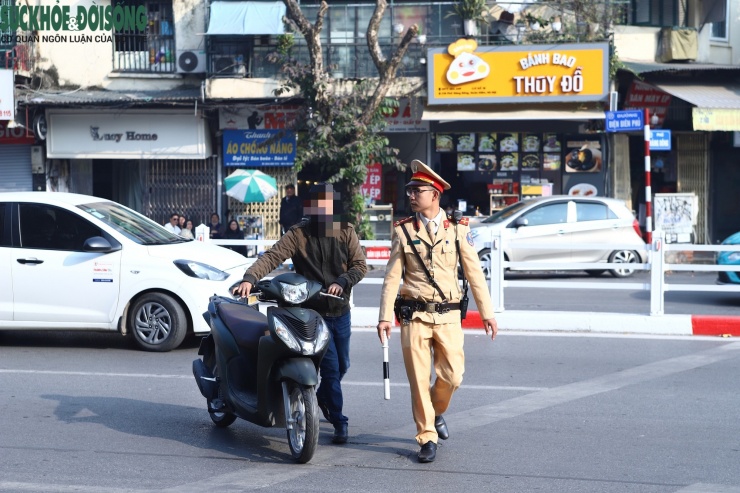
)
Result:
{"points": [[422, 306]]}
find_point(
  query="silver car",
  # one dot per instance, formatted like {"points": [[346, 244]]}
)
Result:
{"points": [[562, 221]]}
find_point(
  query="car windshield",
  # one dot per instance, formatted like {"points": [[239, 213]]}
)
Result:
{"points": [[505, 213], [131, 224]]}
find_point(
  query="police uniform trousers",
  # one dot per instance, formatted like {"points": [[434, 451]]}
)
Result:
{"points": [[421, 342]]}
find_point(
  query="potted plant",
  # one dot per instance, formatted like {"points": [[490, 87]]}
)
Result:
{"points": [[471, 12]]}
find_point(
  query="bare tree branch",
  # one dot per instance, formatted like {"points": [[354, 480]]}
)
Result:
{"points": [[373, 27], [387, 74]]}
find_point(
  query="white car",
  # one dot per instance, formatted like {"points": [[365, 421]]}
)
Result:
{"points": [[562, 222], [76, 262]]}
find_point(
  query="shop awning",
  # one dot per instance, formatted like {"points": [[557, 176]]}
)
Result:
{"points": [[717, 107], [239, 18], [498, 112]]}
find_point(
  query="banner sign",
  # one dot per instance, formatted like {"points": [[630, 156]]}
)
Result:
{"points": [[464, 73], [372, 187], [642, 95], [258, 148], [7, 97]]}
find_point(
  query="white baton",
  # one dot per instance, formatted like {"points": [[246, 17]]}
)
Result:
{"points": [[386, 371]]}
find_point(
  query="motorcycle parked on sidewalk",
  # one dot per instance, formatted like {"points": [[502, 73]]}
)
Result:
{"points": [[264, 368]]}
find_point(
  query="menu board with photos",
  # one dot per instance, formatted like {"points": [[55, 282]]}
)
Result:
{"points": [[502, 151]]}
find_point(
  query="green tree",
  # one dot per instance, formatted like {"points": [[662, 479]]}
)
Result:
{"points": [[340, 123]]}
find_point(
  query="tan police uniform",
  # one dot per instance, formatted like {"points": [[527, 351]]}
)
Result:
{"points": [[432, 328]]}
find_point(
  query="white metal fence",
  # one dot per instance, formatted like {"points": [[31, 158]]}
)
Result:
{"points": [[657, 265]]}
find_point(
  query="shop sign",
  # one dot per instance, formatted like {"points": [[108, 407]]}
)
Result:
{"points": [[405, 118], [258, 148], [7, 97], [464, 73], [716, 119], [372, 187], [660, 140], [127, 134], [17, 135], [378, 253], [262, 116], [641, 96]]}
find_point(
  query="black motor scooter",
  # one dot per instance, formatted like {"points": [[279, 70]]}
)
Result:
{"points": [[264, 368]]}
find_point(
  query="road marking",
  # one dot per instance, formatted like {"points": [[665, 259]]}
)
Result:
{"points": [[190, 377], [709, 488]]}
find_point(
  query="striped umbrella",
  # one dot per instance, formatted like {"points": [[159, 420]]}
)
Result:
{"points": [[250, 185]]}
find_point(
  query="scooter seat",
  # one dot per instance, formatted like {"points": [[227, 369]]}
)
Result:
{"points": [[245, 323]]}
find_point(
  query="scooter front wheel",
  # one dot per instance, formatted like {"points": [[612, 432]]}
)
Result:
{"points": [[222, 419], [304, 415]]}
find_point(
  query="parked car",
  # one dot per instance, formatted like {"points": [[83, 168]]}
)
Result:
{"points": [[729, 258], [563, 221], [77, 262]]}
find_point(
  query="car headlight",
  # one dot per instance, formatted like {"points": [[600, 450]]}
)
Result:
{"points": [[284, 334], [322, 337], [294, 293], [200, 270]]}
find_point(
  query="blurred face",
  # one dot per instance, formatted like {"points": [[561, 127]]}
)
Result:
{"points": [[173, 219], [214, 219], [189, 224], [233, 226], [290, 191], [320, 207], [182, 221]]}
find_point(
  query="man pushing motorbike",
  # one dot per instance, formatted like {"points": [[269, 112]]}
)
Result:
{"points": [[327, 250]]}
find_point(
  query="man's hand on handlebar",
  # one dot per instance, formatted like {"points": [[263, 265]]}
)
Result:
{"points": [[243, 289], [335, 290]]}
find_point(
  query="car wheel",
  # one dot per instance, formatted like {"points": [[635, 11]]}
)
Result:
{"points": [[626, 257], [485, 261], [158, 322], [595, 273]]}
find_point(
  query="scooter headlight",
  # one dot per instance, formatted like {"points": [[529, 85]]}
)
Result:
{"points": [[322, 336], [294, 293], [284, 334]]}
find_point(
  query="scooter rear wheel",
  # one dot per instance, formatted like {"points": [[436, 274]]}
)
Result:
{"points": [[304, 411]]}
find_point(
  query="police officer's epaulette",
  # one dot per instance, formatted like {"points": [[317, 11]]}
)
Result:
{"points": [[403, 221], [464, 221]]}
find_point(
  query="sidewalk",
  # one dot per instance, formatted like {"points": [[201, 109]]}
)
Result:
{"points": [[592, 322]]}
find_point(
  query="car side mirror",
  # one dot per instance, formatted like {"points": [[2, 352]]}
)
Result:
{"points": [[98, 244], [522, 221]]}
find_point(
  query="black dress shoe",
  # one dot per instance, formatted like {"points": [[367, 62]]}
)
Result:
{"points": [[441, 426], [340, 434], [428, 452]]}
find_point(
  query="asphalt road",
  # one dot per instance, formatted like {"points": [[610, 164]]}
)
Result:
{"points": [[536, 412]]}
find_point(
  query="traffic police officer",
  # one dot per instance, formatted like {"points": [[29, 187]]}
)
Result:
{"points": [[429, 304]]}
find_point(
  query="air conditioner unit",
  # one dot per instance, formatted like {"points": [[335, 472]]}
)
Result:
{"points": [[191, 61], [228, 65]]}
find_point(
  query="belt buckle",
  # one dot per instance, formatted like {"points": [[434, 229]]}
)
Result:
{"points": [[430, 307], [442, 308]]}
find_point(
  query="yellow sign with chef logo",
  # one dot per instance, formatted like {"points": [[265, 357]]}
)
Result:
{"points": [[466, 73]]}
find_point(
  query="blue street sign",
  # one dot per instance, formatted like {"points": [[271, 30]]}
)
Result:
{"points": [[660, 140], [624, 121]]}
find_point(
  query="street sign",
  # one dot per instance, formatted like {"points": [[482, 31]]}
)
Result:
{"points": [[660, 140], [624, 121]]}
